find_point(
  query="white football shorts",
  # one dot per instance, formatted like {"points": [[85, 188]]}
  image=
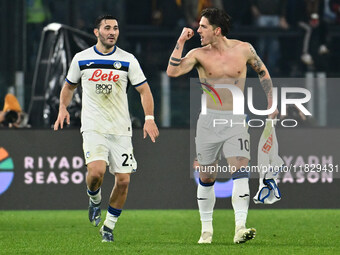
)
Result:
{"points": [[115, 150], [221, 132]]}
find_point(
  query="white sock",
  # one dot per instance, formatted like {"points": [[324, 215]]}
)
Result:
{"points": [[110, 220], [207, 226], [206, 202], [95, 196], [112, 217], [240, 201]]}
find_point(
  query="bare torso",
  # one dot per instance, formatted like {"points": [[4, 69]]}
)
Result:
{"points": [[226, 66]]}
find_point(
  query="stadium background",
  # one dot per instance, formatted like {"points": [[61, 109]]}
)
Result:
{"points": [[42, 166]]}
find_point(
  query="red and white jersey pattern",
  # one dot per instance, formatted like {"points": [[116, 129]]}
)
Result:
{"points": [[104, 80]]}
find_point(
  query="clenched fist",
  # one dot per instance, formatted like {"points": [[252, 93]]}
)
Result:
{"points": [[186, 34]]}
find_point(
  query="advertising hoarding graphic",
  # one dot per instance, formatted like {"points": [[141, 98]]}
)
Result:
{"points": [[50, 171], [6, 170]]}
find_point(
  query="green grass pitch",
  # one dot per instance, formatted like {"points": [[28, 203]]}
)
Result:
{"points": [[169, 232]]}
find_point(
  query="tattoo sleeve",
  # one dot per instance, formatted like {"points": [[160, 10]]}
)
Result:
{"points": [[267, 86], [252, 50], [257, 64], [262, 74]]}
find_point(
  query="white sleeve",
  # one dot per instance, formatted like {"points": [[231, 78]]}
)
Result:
{"points": [[135, 74], [74, 74]]}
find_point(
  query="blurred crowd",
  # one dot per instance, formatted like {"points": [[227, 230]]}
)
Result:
{"points": [[292, 37], [312, 20]]}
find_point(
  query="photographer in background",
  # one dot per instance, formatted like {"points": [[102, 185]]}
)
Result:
{"points": [[12, 115]]}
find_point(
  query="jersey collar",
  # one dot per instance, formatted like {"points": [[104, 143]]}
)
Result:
{"points": [[107, 54]]}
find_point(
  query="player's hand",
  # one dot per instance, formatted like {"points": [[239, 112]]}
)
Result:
{"points": [[274, 114], [150, 128], [186, 34], [62, 115]]}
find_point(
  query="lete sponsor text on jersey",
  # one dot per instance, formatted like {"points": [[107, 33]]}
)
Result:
{"points": [[99, 75]]}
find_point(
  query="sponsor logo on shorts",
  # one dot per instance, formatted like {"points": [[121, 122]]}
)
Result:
{"points": [[87, 154]]}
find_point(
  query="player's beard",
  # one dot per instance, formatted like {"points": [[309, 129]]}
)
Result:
{"points": [[105, 43]]}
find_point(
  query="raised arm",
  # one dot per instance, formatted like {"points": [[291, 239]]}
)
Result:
{"points": [[177, 65], [150, 126], [256, 63], [66, 95]]}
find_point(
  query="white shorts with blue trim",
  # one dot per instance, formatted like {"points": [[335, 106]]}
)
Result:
{"points": [[115, 150], [221, 132]]}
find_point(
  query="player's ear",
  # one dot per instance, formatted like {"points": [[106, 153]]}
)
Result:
{"points": [[96, 31], [218, 31]]}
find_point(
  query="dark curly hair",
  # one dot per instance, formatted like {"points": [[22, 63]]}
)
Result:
{"points": [[218, 18]]}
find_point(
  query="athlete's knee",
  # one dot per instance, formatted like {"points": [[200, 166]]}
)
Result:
{"points": [[237, 163], [96, 171], [206, 181], [95, 176], [242, 160], [122, 181]]}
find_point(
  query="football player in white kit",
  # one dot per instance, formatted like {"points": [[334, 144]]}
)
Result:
{"points": [[103, 71]]}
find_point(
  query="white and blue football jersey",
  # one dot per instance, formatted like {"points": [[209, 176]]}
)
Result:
{"points": [[104, 79]]}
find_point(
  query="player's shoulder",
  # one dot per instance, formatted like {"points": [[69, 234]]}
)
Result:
{"points": [[84, 53], [198, 51], [241, 44], [124, 54], [245, 47]]}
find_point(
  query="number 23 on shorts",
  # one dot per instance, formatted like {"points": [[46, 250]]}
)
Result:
{"points": [[128, 159]]}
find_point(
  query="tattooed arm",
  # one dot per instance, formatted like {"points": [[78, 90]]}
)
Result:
{"points": [[177, 65], [256, 63]]}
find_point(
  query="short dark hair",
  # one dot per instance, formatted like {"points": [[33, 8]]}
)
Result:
{"points": [[218, 18], [102, 17]]}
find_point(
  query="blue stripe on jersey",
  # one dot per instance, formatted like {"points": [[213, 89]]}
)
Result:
{"points": [[90, 62], [107, 54], [141, 83], [69, 82]]}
